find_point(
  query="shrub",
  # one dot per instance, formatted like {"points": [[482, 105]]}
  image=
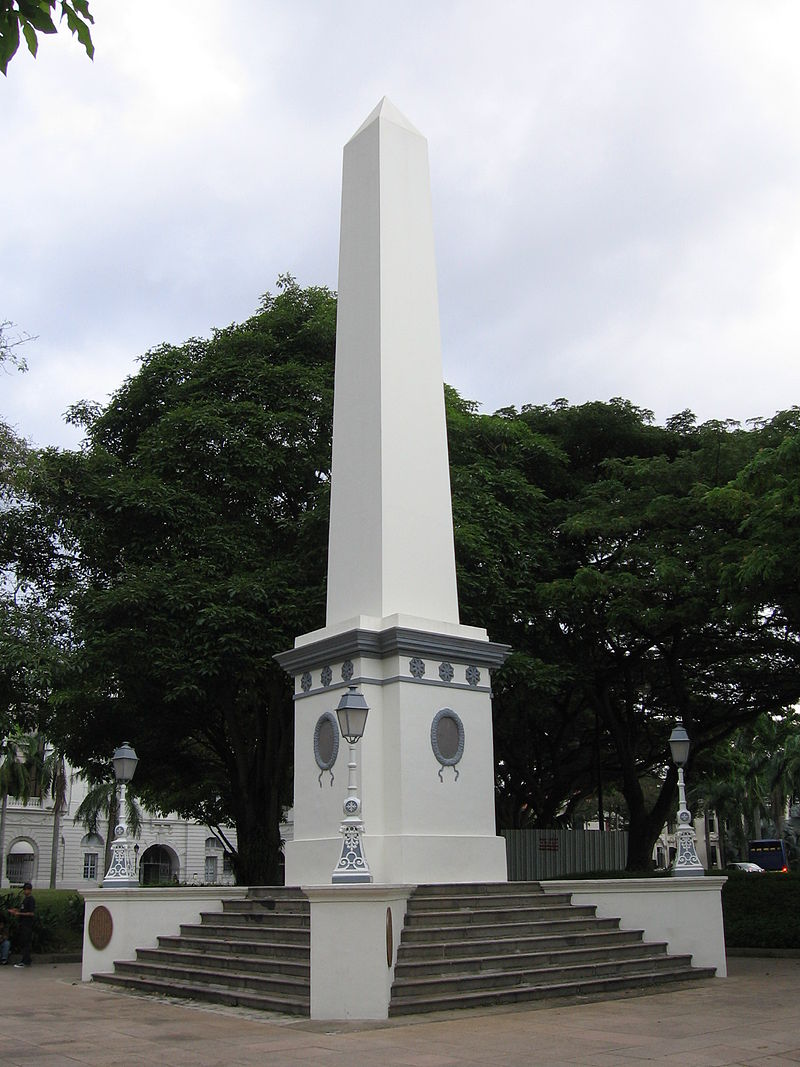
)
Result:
{"points": [[58, 923], [761, 910]]}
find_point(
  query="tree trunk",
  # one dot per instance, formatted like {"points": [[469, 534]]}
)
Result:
{"points": [[3, 807], [55, 844], [644, 827], [112, 822]]}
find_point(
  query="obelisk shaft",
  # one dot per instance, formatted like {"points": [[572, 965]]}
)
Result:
{"points": [[391, 529]]}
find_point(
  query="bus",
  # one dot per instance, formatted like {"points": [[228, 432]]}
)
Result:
{"points": [[769, 853]]}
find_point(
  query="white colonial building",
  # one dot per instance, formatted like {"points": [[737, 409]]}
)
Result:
{"points": [[169, 849]]}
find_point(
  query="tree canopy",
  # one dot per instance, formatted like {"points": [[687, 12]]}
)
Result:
{"points": [[195, 517], [29, 18], [642, 574], [606, 540]]}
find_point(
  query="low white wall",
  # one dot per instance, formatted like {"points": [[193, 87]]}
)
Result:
{"points": [[139, 916], [352, 954], [684, 912]]}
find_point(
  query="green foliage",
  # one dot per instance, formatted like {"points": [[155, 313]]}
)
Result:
{"points": [[749, 779], [194, 526], [761, 911], [593, 545], [58, 922], [32, 17]]}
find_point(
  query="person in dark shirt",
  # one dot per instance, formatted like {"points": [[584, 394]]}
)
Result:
{"points": [[25, 915]]}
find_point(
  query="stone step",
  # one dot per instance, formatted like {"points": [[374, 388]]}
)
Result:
{"points": [[451, 950], [243, 931], [265, 984], [605, 986], [222, 961], [277, 892], [497, 980], [497, 901], [216, 945], [485, 931], [483, 889], [417, 916], [296, 1004], [265, 906], [248, 917], [525, 961]]}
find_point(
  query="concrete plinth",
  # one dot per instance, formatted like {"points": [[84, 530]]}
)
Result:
{"points": [[355, 931], [686, 913], [135, 918]]}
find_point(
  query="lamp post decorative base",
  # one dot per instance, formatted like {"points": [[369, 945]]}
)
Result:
{"points": [[121, 872], [352, 867], [687, 862]]}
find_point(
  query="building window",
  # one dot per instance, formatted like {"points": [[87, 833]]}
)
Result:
{"points": [[90, 865], [20, 863], [226, 863], [20, 869], [211, 870]]}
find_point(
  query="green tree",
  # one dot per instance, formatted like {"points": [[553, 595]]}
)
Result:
{"points": [[196, 513], [29, 18], [763, 570], [621, 628]]}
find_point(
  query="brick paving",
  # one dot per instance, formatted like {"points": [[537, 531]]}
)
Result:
{"points": [[49, 1018]]}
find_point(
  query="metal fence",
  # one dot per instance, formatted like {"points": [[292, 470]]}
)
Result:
{"points": [[537, 854]]}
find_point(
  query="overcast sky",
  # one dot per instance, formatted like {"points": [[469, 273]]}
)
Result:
{"points": [[616, 189]]}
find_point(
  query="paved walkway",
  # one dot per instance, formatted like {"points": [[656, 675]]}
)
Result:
{"points": [[48, 1018]]}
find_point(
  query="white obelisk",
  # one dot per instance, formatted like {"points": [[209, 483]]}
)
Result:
{"points": [[392, 627]]}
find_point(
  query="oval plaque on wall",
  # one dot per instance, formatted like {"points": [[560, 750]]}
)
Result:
{"points": [[101, 927], [389, 938]]}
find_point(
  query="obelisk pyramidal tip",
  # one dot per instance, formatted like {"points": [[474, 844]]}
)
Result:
{"points": [[386, 110], [391, 530]]}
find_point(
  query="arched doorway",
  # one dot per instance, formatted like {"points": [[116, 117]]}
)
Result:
{"points": [[20, 862], [158, 865]]}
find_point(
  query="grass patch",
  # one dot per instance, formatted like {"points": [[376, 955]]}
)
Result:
{"points": [[761, 910], [58, 923]]}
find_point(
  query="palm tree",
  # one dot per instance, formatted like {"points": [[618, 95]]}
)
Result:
{"points": [[15, 781], [100, 804], [51, 775]]}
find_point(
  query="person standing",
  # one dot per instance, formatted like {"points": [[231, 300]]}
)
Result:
{"points": [[25, 914]]}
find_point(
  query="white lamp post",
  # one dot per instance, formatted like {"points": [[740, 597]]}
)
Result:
{"points": [[122, 872], [352, 866], [686, 862]]}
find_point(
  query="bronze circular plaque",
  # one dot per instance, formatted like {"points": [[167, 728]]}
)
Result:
{"points": [[101, 926]]}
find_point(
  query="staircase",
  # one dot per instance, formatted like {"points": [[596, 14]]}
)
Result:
{"points": [[475, 945], [462, 946], [255, 953]]}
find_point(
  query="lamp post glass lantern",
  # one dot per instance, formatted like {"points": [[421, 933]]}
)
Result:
{"points": [[687, 862], [122, 873], [352, 867]]}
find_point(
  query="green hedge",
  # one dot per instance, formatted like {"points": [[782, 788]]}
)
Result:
{"points": [[58, 923], [761, 910]]}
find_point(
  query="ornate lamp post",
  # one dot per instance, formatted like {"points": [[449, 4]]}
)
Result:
{"points": [[686, 862], [352, 866], [122, 872]]}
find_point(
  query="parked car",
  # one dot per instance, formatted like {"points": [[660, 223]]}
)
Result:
{"points": [[748, 868]]}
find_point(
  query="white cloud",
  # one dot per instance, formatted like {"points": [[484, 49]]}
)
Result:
{"points": [[614, 189]]}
